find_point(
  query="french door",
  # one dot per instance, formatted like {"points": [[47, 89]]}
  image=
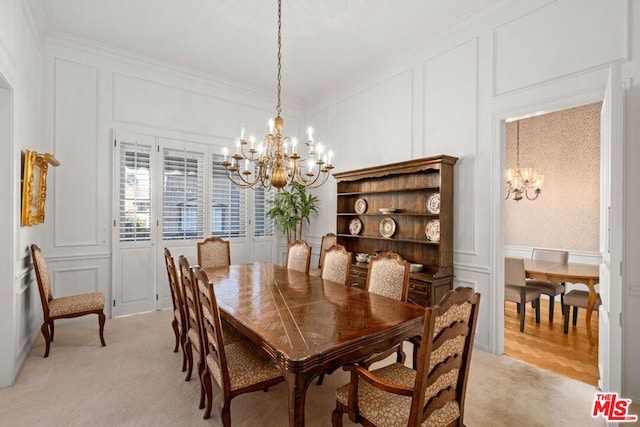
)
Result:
{"points": [[172, 194], [611, 234]]}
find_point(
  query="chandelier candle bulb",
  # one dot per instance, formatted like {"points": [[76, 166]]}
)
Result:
{"points": [[294, 142], [225, 153], [310, 132], [252, 139]]}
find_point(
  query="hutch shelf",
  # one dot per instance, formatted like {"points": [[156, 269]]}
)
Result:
{"points": [[404, 207]]}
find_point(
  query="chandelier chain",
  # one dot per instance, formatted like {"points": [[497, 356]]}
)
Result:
{"points": [[518, 144], [278, 107]]}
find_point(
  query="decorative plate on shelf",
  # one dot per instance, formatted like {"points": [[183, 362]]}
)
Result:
{"points": [[432, 230], [433, 203], [387, 227], [387, 211], [360, 206], [355, 226]]}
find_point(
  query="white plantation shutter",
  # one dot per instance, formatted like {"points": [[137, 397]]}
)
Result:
{"points": [[183, 194], [264, 226], [229, 217], [135, 192]]}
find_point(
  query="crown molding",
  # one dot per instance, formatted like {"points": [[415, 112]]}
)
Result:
{"points": [[60, 38]]}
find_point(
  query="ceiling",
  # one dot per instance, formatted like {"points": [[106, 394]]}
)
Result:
{"points": [[323, 41]]}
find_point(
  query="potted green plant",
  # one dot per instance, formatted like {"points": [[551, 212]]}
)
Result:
{"points": [[290, 208]]}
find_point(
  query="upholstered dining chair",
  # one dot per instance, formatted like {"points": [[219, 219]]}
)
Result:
{"points": [[432, 395], [235, 368], [214, 252], [178, 323], [328, 240], [516, 290], [63, 307], [577, 298], [388, 275], [548, 288], [299, 256], [337, 268], [192, 322], [337, 265]]}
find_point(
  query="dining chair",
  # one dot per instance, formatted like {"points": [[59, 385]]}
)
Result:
{"points": [[299, 256], [214, 252], [192, 320], [336, 268], [236, 368], [328, 240], [516, 289], [388, 275], [178, 323], [577, 298], [433, 394], [63, 307], [548, 288], [337, 265]]}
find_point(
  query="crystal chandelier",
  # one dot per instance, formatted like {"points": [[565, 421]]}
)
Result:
{"points": [[275, 162], [522, 181]]}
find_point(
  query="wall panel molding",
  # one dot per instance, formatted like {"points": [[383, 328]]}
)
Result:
{"points": [[76, 123]]}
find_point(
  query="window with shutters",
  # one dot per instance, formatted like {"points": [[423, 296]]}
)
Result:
{"points": [[183, 195], [264, 225], [229, 216], [135, 192]]}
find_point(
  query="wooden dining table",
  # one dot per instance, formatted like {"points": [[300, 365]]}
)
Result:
{"points": [[572, 272], [307, 325]]}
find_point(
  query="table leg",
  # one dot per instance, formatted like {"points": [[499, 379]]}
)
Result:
{"points": [[590, 306], [297, 384]]}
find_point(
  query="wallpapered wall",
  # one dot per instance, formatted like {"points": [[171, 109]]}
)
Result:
{"points": [[565, 147]]}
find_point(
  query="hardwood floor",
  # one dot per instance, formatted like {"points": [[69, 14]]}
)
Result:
{"points": [[546, 346]]}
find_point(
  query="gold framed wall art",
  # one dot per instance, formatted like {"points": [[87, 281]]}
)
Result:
{"points": [[34, 186]]}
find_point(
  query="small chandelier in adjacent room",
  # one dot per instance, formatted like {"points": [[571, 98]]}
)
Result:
{"points": [[522, 182], [275, 162]]}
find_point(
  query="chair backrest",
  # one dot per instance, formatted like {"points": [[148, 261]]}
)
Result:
{"points": [[553, 255], [42, 277], [174, 285], [388, 275], [214, 252], [444, 358], [212, 335], [514, 273], [192, 315], [337, 265], [299, 256], [328, 240]]}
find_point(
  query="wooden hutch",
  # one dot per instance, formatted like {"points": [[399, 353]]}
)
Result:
{"points": [[407, 192]]}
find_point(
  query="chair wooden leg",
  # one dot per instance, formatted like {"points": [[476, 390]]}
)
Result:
{"points": [[400, 356], [183, 342], [176, 332], [552, 301], [575, 316], [416, 350], [226, 413], [101, 326], [208, 391], [537, 310], [320, 379], [189, 352], [52, 329], [47, 338], [562, 303], [567, 310], [523, 310], [336, 417], [201, 371]]}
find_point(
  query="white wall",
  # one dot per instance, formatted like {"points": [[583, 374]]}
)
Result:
{"points": [[453, 96], [20, 112], [448, 96]]}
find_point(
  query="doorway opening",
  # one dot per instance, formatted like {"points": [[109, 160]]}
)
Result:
{"points": [[565, 147]]}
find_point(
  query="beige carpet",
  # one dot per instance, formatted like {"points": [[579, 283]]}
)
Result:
{"points": [[136, 381]]}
